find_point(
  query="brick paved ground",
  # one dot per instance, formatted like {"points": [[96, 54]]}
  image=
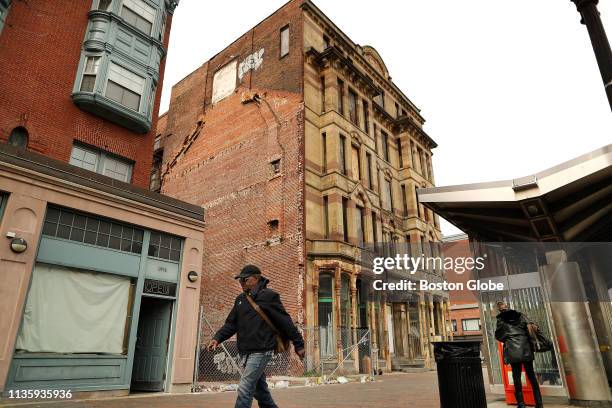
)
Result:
{"points": [[389, 391]]}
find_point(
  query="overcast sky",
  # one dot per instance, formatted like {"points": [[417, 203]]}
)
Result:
{"points": [[507, 88]]}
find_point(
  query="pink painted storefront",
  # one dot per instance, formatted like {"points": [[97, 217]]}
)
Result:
{"points": [[99, 281]]}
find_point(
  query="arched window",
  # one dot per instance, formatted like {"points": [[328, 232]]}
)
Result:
{"points": [[19, 137], [326, 310]]}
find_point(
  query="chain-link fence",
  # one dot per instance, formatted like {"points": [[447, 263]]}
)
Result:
{"points": [[225, 364]]}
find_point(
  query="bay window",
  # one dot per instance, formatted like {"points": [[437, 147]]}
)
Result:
{"points": [[138, 14], [124, 87], [88, 82]]}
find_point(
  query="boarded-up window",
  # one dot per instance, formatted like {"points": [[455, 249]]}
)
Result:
{"points": [[352, 103], [369, 170], [224, 82], [284, 41], [355, 163], [388, 202], [360, 222], [342, 154]]}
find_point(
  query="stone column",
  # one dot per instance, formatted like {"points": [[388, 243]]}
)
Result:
{"points": [[405, 329], [387, 352], [354, 311], [409, 350], [423, 331], [315, 327], [444, 321], [338, 310], [373, 330]]}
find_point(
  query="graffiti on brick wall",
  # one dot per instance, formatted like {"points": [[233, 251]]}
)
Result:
{"points": [[251, 62]]}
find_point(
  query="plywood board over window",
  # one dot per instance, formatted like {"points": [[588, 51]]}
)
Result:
{"points": [[224, 82]]}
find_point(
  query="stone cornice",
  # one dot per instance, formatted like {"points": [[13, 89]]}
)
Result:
{"points": [[340, 37], [334, 56]]}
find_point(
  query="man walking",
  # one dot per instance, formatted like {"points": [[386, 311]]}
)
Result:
{"points": [[513, 330], [256, 338]]}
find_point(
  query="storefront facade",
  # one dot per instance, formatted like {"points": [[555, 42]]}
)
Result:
{"points": [[101, 298]]}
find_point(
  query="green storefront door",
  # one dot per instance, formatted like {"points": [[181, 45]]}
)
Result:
{"points": [[149, 370]]}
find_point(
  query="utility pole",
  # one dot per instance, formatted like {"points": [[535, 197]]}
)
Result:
{"points": [[601, 46]]}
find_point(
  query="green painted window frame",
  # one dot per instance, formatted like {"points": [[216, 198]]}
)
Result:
{"points": [[3, 200], [134, 241]]}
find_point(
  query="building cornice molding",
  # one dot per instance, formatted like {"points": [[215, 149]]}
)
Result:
{"points": [[333, 56], [341, 38]]}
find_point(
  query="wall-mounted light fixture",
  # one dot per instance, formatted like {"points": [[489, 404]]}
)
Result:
{"points": [[192, 276], [18, 245]]}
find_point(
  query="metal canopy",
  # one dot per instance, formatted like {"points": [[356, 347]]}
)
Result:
{"points": [[569, 202]]}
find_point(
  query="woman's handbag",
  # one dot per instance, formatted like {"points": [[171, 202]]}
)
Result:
{"points": [[539, 343], [281, 343]]}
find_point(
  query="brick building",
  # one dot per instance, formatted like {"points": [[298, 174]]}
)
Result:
{"points": [[306, 157], [94, 272], [464, 308], [91, 76]]}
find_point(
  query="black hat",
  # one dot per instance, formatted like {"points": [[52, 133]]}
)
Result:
{"points": [[248, 271]]}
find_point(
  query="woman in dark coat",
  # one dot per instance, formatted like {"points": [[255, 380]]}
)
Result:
{"points": [[512, 330]]}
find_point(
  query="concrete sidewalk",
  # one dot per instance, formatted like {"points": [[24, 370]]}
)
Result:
{"points": [[397, 390]]}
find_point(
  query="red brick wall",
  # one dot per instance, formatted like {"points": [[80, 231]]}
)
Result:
{"points": [[227, 169], [460, 249], [458, 315], [40, 47]]}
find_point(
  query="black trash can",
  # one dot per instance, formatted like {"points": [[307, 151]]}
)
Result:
{"points": [[460, 378]]}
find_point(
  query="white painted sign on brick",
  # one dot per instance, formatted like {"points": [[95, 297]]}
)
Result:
{"points": [[252, 61], [224, 82]]}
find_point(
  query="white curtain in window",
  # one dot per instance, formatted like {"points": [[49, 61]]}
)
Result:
{"points": [[74, 311]]}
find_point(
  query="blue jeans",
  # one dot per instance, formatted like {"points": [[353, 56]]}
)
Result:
{"points": [[253, 382]]}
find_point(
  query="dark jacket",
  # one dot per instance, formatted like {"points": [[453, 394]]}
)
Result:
{"points": [[512, 331], [253, 333]]}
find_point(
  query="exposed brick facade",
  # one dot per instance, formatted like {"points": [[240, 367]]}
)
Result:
{"points": [[461, 314], [40, 47], [219, 155], [227, 169], [464, 304]]}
